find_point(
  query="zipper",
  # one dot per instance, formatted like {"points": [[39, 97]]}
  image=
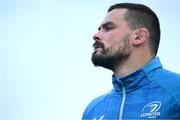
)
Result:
{"points": [[122, 103]]}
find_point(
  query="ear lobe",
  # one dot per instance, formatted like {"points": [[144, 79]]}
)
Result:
{"points": [[141, 36]]}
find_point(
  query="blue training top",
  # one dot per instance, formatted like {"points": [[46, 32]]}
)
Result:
{"points": [[150, 92]]}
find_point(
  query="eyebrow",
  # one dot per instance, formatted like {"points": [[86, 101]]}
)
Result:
{"points": [[104, 25]]}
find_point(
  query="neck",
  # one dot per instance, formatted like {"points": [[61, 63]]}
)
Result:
{"points": [[131, 64]]}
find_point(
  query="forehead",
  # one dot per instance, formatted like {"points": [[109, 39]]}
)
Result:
{"points": [[115, 16]]}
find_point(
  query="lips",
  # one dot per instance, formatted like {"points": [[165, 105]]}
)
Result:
{"points": [[97, 45]]}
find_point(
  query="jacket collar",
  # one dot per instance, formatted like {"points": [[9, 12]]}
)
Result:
{"points": [[136, 79]]}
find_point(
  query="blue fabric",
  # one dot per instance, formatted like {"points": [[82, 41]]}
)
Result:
{"points": [[151, 92]]}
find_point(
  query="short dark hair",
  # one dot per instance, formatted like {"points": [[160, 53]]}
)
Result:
{"points": [[139, 15]]}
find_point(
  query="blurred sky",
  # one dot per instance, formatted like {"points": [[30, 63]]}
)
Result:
{"points": [[45, 50]]}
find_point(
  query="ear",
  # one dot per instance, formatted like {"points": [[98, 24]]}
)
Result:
{"points": [[140, 36]]}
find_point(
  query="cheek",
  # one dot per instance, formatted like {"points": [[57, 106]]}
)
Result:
{"points": [[113, 47], [113, 41]]}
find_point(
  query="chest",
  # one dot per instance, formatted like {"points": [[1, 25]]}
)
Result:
{"points": [[141, 104]]}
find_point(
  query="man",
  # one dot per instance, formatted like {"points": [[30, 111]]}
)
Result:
{"points": [[127, 43]]}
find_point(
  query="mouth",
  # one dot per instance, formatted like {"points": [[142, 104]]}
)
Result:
{"points": [[97, 46]]}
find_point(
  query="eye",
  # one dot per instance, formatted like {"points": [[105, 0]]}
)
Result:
{"points": [[108, 28]]}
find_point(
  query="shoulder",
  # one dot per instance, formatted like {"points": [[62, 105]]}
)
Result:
{"points": [[94, 102], [170, 81], [169, 78], [164, 76]]}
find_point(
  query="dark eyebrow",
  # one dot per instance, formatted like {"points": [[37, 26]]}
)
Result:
{"points": [[104, 25]]}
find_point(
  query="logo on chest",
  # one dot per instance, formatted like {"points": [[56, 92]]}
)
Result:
{"points": [[151, 110]]}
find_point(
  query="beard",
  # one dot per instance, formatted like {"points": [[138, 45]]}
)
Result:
{"points": [[109, 59]]}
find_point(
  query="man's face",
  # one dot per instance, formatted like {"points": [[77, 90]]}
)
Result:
{"points": [[112, 42]]}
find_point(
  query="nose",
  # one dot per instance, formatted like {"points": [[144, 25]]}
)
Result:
{"points": [[97, 36]]}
